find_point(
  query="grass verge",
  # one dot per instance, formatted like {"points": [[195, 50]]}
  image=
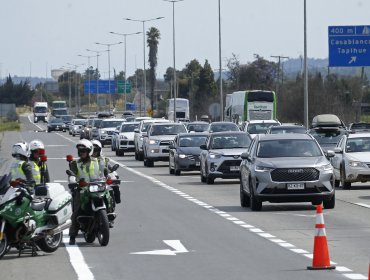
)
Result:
{"points": [[10, 126]]}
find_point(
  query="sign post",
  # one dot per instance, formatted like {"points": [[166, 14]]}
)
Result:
{"points": [[349, 46]]}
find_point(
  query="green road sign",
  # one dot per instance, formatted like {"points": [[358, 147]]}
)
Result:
{"points": [[121, 87]]}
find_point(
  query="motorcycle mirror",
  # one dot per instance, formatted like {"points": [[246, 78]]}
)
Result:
{"points": [[115, 167], [43, 158], [69, 157], [70, 173]]}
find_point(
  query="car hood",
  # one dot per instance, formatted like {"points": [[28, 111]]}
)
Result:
{"points": [[361, 156], [290, 162], [230, 152], [189, 150], [107, 129], [162, 137], [129, 135]]}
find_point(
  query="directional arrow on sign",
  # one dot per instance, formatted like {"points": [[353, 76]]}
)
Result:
{"points": [[353, 59], [175, 244]]}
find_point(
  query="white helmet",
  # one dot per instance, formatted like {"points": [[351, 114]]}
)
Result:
{"points": [[36, 144], [20, 148], [85, 144], [97, 144]]}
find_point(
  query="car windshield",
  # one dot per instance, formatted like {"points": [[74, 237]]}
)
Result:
{"points": [[278, 129], [198, 127], [168, 129], [259, 128], [109, 124], [192, 141], [79, 122], [327, 136], [224, 127], [288, 148], [358, 145], [230, 141], [129, 127], [41, 109]]}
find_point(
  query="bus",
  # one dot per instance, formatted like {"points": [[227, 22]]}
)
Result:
{"points": [[182, 109], [251, 105], [59, 105]]}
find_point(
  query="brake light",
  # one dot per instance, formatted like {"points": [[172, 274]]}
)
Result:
{"points": [[109, 182], [41, 152], [69, 157], [43, 158]]}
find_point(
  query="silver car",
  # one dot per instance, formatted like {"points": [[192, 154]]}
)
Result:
{"points": [[220, 156], [286, 168], [352, 160], [159, 137]]}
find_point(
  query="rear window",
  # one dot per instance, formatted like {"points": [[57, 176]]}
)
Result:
{"points": [[288, 148], [327, 136], [230, 141], [259, 128], [224, 127], [192, 141], [278, 129]]}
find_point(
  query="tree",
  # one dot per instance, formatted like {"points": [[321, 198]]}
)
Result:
{"points": [[153, 41], [20, 94]]}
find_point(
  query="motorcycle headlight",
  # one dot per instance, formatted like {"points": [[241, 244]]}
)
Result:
{"points": [[153, 142], [214, 155], [182, 156], [260, 168], [97, 188], [353, 163]]}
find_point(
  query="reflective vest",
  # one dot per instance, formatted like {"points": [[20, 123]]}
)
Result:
{"points": [[89, 172], [16, 170], [103, 163], [36, 174]]}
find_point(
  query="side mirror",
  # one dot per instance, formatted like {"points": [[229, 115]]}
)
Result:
{"points": [[337, 150], [70, 173], [114, 168], [330, 153], [203, 147], [136, 130], [245, 155]]}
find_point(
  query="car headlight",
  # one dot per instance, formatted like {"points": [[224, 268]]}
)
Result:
{"points": [[103, 132], [182, 156], [260, 168], [153, 142], [214, 155], [353, 163]]}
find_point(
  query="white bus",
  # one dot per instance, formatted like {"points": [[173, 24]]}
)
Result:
{"points": [[182, 109]]}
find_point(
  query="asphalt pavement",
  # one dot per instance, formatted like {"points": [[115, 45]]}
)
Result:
{"points": [[175, 227]]}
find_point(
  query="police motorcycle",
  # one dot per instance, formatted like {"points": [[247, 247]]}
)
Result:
{"points": [[97, 205], [32, 219]]}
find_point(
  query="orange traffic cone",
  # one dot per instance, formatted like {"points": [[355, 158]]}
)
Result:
{"points": [[321, 258]]}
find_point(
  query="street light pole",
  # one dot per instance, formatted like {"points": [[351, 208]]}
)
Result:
{"points": [[220, 62], [143, 22], [125, 77], [108, 46], [174, 56], [305, 69], [77, 108]]}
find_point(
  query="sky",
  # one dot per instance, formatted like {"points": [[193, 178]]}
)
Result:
{"points": [[40, 35]]}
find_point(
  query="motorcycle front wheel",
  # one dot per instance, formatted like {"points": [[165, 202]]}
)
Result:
{"points": [[89, 237], [102, 230], [3, 246], [50, 243]]}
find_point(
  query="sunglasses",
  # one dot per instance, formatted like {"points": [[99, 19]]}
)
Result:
{"points": [[83, 151]]}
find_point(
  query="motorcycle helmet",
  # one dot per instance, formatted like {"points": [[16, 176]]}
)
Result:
{"points": [[85, 144], [97, 147], [36, 145], [21, 149]]}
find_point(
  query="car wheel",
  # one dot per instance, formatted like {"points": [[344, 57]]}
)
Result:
{"points": [[102, 144], [136, 156], [254, 202], [346, 185], [171, 171], [140, 157], [118, 153], [244, 198], [329, 203], [177, 171], [149, 163], [336, 184], [202, 178]]}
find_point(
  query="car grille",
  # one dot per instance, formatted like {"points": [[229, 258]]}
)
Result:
{"points": [[225, 166], [286, 191], [193, 157], [164, 143], [294, 174], [110, 132], [125, 142]]}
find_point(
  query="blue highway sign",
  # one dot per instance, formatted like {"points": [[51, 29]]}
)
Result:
{"points": [[349, 46], [91, 86]]}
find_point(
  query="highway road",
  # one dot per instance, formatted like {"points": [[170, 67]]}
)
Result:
{"points": [[175, 227]]}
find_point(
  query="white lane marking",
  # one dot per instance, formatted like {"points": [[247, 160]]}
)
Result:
{"points": [[39, 127], [343, 269], [299, 251], [355, 276], [60, 181], [363, 205], [175, 244], [77, 260]]}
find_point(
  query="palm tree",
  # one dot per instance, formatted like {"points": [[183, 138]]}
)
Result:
{"points": [[152, 41]]}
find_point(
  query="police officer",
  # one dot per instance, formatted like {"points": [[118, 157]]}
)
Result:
{"points": [[103, 161], [86, 169], [39, 169], [21, 167]]}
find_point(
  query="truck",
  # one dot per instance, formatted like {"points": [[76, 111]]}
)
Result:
{"points": [[182, 109], [40, 111], [60, 104]]}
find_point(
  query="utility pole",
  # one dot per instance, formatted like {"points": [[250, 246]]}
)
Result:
{"points": [[279, 57]]}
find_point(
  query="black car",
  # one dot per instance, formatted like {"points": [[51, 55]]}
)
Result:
{"points": [[184, 152], [67, 119], [56, 124], [198, 126]]}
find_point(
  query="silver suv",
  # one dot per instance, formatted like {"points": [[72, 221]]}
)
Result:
{"points": [[159, 137], [286, 168], [220, 156]]}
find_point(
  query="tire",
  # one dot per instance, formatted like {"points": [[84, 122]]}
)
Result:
{"points": [[73, 134], [202, 178], [102, 230], [171, 170], [118, 153], [255, 204], [336, 183], [136, 156], [102, 144], [89, 237], [330, 203], [209, 180], [149, 163], [177, 171], [50, 243], [244, 198], [140, 157], [346, 185], [3, 246]]}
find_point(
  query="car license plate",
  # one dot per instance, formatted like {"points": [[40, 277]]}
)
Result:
{"points": [[234, 168], [295, 186]]}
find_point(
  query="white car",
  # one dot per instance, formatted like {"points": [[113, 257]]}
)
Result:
{"points": [[255, 127], [351, 162], [125, 138], [76, 126], [106, 130]]}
